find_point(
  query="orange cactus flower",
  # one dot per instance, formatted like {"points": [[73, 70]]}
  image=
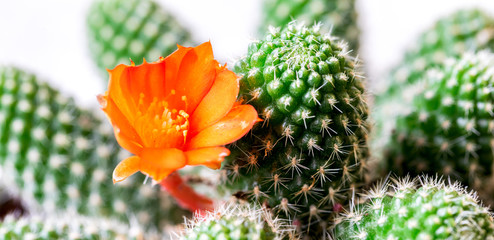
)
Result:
{"points": [[178, 111]]}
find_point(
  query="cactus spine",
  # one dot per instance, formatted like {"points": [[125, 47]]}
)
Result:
{"points": [[61, 157], [311, 147], [339, 16], [136, 29], [238, 221], [404, 210]]}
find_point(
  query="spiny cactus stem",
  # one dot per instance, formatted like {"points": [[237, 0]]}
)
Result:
{"points": [[186, 196]]}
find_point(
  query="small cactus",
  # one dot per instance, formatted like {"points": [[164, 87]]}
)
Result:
{"points": [[338, 16], [58, 156], [136, 29], [67, 227], [448, 127], [238, 221], [405, 210], [310, 148]]}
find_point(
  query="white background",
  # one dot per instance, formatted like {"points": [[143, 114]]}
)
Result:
{"points": [[47, 37]]}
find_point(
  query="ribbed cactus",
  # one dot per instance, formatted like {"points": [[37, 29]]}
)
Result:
{"points": [[448, 126], [136, 29], [62, 157], [406, 209], [67, 227], [310, 148], [238, 221], [339, 16]]}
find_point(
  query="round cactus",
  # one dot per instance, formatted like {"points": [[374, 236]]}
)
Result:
{"points": [[448, 127], [465, 30], [58, 156], [67, 227], [339, 16], [238, 221], [310, 148], [462, 31], [136, 29], [403, 210]]}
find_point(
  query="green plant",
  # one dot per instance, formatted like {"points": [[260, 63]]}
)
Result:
{"points": [[451, 36], [135, 29], [338, 16], [463, 31], [448, 127], [405, 209], [237, 221], [58, 156], [310, 149], [66, 227]]}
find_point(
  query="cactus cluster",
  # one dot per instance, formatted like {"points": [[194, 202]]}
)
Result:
{"points": [[310, 148], [135, 29], [58, 156], [238, 221], [338, 16], [405, 210], [449, 127], [67, 227]]}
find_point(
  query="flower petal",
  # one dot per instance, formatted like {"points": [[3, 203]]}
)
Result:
{"points": [[210, 157], [172, 65], [195, 77], [160, 162], [119, 93], [230, 128], [216, 104], [156, 79], [126, 168], [128, 144], [125, 133]]}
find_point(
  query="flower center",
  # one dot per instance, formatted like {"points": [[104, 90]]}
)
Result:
{"points": [[159, 126]]}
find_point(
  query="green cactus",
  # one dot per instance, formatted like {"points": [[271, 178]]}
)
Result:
{"points": [[448, 126], [403, 210], [67, 227], [462, 31], [136, 29], [339, 16], [238, 221], [58, 156], [311, 147]]}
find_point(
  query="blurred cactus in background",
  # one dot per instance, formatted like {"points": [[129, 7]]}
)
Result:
{"points": [[339, 17], [238, 221], [310, 150], [465, 30], [62, 157], [422, 208], [68, 227], [453, 35], [135, 29], [448, 127]]}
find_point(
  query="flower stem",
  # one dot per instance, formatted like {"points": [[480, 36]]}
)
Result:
{"points": [[185, 195]]}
